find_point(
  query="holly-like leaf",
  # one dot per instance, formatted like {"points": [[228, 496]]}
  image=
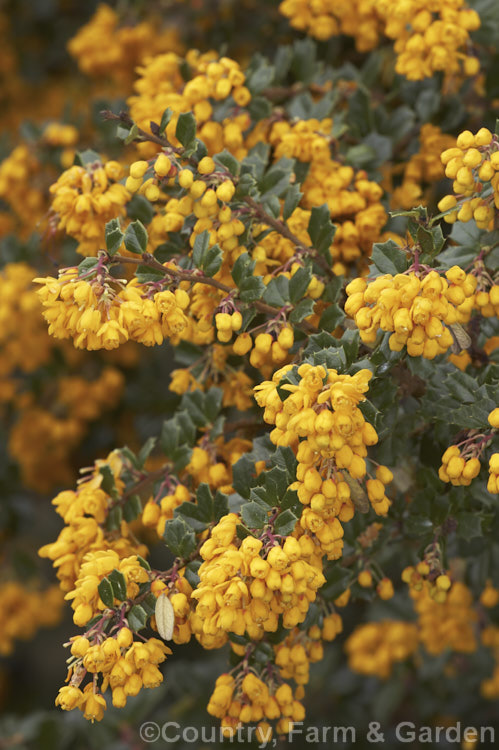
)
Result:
{"points": [[388, 257], [253, 515], [114, 236], [136, 238]]}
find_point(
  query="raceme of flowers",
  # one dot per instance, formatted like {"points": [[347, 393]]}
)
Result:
{"points": [[418, 309], [429, 35]]}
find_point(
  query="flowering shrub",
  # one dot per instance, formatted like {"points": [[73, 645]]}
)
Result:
{"points": [[262, 312]]}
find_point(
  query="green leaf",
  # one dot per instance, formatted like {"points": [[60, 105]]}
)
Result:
{"points": [[179, 538], [332, 316], [137, 617], [146, 450], [208, 259], [87, 265], [285, 523], [320, 228], [114, 518], [253, 515], [469, 525], [165, 119], [114, 236], [277, 292], [276, 179], [86, 157], [302, 310], [143, 563], [298, 284], [118, 583], [186, 129], [389, 258], [259, 108], [225, 159], [107, 484], [136, 238], [291, 201], [140, 208], [242, 532], [132, 508], [106, 592], [132, 134]]}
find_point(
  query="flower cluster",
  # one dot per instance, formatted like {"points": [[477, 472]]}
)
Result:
{"points": [[430, 36], [103, 48], [374, 648], [85, 512], [457, 468], [22, 348], [19, 190], [213, 79], [96, 316], [446, 624], [299, 649], [321, 420], [473, 165], [249, 698], [422, 169], [324, 19], [24, 610], [157, 513], [245, 585], [353, 200], [417, 308], [85, 199], [126, 667], [42, 440], [85, 599], [428, 576]]}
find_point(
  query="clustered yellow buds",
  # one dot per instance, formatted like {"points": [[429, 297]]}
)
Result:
{"points": [[374, 648], [490, 639], [430, 35], [227, 324], [252, 699], [269, 348], [493, 481], [86, 601], [419, 310], [160, 168], [321, 421], [85, 199], [323, 19], [105, 48], [19, 190], [423, 168], [95, 316], [84, 513], [424, 578], [156, 514], [456, 469], [473, 165], [161, 85], [24, 610], [298, 650], [487, 302], [245, 585], [126, 667], [448, 621]]}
